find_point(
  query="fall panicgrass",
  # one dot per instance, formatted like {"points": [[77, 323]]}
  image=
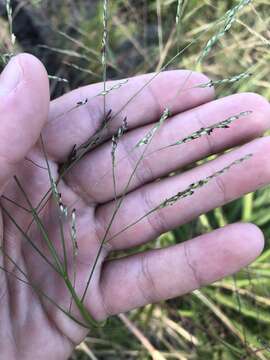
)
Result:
{"points": [[58, 261], [10, 21], [228, 20], [179, 13]]}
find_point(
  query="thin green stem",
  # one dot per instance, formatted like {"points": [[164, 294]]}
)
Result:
{"points": [[145, 141], [41, 227], [159, 27], [39, 291], [104, 50], [179, 13], [74, 250], [247, 207], [15, 203], [83, 311], [29, 240], [56, 198], [10, 21], [192, 42]]}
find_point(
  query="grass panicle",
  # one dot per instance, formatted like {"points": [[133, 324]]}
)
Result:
{"points": [[10, 21], [58, 79], [149, 136], [104, 50], [179, 14], [115, 140], [189, 191], [230, 80], [224, 124], [227, 319], [228, 20], [112, 88]]}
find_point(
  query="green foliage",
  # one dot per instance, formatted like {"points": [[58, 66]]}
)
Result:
{"points": [[231, 318]]}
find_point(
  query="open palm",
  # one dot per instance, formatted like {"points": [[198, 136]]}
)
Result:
{"points": [[32, 327]]}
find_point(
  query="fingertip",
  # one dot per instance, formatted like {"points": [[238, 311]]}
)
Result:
{"points": [[202, 81], [253, 240], [34, 91], [24, 106], [32, 63], [201, 91], [244, 242], [35, 74], [225, 251]]}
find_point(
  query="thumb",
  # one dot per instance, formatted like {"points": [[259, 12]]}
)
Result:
{"points": [[24, 104]]}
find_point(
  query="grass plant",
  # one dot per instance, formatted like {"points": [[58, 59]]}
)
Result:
{"points": [[229, 319]]}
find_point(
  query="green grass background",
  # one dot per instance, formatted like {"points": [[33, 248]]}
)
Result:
{"points": [[229, 319]]}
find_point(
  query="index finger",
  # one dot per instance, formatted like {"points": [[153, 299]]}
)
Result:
{"points": [[141, 99]]}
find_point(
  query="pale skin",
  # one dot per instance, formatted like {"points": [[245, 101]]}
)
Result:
{"points": [[32, 328]]}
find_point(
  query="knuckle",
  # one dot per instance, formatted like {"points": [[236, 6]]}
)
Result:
{"points": [[210, 141], [107, 310], [221, 188], [146, 282], [198, 281], [143, 168], [157, 220], [259, 120], [200, 78], [145, 171], [256, 101]]}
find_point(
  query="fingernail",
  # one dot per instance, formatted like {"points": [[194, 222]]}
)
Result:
{"points": [[10, 77]]}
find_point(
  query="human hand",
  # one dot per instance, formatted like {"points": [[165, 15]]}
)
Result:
{"points": [[32, 327]]}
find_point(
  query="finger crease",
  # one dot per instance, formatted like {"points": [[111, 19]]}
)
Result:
{"points": [[157, 220], [143, 171], [198, 281], [222, 188], [147, 285], [210, 143], [155, 100]]}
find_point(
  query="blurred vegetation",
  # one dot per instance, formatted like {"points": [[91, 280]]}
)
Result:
{"points": [[230, 319]]}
